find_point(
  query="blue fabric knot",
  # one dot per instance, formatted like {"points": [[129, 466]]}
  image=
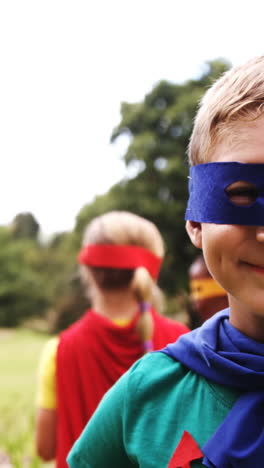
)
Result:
{"points": [[222, 354]]}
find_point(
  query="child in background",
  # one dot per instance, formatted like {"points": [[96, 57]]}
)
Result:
{"points": [[120, 262], [199, 402], [207, 296]]}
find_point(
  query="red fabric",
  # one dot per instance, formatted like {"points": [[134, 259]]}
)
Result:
{"points": [[185, 452], [120, 256], [92, 354]]}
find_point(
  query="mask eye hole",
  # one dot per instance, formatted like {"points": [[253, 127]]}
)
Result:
{"points": [[242, 193]]}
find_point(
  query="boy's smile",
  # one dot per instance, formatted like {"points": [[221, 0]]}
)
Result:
{"points": [[258, 269], [235, 253]]}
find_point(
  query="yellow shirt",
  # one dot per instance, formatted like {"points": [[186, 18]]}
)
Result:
{"points": [[46, 392]]}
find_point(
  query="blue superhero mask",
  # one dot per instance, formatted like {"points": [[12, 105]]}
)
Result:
{"points": [[212, 200]]}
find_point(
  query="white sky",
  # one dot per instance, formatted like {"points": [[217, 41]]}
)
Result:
{"points": [[65, 67]]}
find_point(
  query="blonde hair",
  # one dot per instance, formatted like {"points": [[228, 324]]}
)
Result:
{"points": [[125, 228], [235, 98]]}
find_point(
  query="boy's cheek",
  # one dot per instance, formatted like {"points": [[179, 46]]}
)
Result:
{"points": [[194, 231]]}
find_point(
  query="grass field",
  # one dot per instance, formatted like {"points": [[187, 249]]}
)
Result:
{"points": [[19, 354]]}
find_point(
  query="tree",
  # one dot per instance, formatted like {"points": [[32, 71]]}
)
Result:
{"points": [[159, 129], [36, 278], [25, 226], [22, 290]]}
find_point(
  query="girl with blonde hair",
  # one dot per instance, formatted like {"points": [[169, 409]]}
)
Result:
{"points": [[120, 261]]}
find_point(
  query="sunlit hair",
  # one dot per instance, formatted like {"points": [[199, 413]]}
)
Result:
{"points": [[124, 228], [235, 98]]}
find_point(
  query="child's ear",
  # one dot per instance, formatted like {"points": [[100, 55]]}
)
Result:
{"points": [[194, 230]]}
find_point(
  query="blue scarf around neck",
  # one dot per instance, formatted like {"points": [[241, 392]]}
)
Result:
{"points": [[221, 353]]}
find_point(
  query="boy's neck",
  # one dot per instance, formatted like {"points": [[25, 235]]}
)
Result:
{"points": [[245, 320]]}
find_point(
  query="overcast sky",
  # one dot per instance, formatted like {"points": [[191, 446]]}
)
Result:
{"points": [[65, 68]]}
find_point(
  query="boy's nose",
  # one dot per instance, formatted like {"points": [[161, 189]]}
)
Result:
{"points": [[260, 233]]}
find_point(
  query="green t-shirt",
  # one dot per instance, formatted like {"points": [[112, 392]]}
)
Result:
{"points": [[141, 420]]}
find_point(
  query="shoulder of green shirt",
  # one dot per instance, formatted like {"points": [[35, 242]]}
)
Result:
{"points": [[149, 407]]}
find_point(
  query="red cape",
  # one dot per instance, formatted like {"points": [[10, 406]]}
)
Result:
{"points": [[92, 354]]}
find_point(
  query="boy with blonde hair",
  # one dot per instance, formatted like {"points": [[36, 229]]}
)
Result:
{"points": [[199, 402]]}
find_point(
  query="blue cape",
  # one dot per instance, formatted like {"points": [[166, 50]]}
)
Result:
{"points": [[220, 353]]}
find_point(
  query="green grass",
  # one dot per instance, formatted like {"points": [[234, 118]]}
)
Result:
{"points": [[19, 354]]}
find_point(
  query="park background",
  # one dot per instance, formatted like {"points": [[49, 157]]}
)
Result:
{"points": [[97, 106]]}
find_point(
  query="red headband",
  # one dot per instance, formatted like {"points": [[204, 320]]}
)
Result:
{"points": [[120, 256]]}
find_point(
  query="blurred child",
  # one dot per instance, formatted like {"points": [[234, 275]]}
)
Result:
{"points": [[199, 402], [207, 296], [120, 262]]}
